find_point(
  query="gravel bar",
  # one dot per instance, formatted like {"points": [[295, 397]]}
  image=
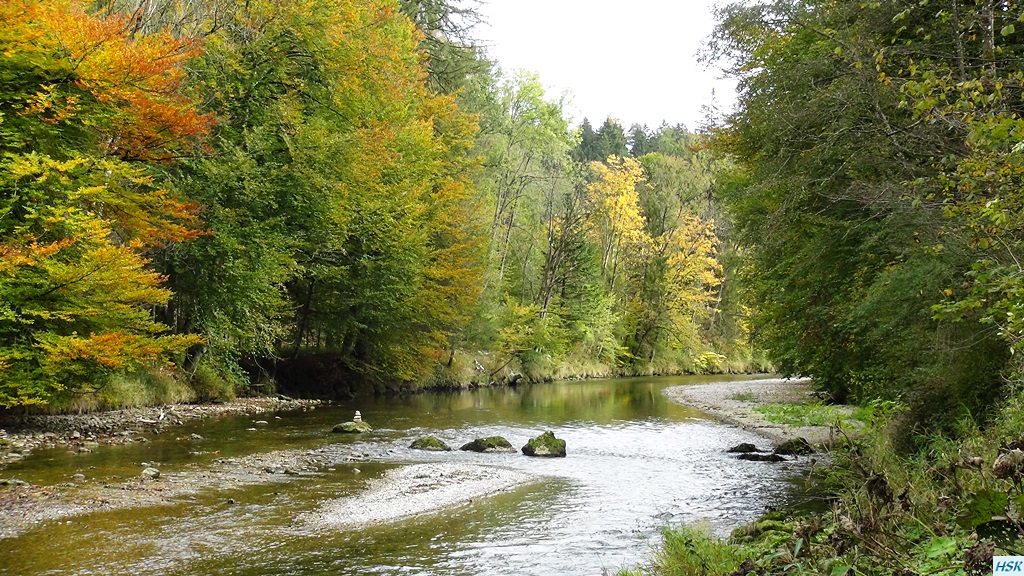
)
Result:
{"points": [[414, 490], [734, 403]]}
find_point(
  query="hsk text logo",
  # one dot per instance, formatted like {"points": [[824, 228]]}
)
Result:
{"points": [[1008, 564]]}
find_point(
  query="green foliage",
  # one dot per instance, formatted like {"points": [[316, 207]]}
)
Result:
{"points": [[811, 414], [338, 206], [834, 198], [223, 184], [85, 107], [211, 385], [690, 551]]}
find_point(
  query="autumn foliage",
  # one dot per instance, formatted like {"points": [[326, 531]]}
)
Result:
{"points": [[212, 185], [84, 101]]}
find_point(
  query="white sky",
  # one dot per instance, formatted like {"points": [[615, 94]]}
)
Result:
{"points": [[633, 60]]}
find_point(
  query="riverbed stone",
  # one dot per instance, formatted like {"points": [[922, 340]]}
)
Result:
{"points": [[545, 445], [150, 473], [743, 448], [430, 443], [352, 428], [795, 447], [488, 445]]}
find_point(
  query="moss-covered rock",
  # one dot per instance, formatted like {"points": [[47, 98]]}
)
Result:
{"points": [[352, 428], [795, 447], [430, 443], [488, 445], [545, 445], [765, 529]]}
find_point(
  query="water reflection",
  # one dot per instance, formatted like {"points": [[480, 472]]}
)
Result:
{"points": [[636, 463]]}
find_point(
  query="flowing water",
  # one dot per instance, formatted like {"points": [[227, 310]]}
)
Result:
{"points": [[637, 463]]}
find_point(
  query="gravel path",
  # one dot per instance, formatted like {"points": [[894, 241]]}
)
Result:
{"points": [[734, 402], [417, 489]]}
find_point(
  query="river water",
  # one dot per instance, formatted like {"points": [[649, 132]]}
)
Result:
{"points": [[637, 463]]}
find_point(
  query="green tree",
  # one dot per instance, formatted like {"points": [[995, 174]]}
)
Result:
{"points": [[845, 255]]}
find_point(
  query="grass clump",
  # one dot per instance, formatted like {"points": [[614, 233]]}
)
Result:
{"points": [[691, 550], [146, 387], [809, 414], [212, 385], [744, 397]]}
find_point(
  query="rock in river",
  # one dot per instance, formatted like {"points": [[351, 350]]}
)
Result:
{"points": [[352, 428], [795, 447], [430, 443], [489, 444], [744, 448], [755, 457], [545, 445], [150, 473]]}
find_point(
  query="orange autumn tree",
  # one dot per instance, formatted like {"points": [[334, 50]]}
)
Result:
{"points": [[86, 107]]}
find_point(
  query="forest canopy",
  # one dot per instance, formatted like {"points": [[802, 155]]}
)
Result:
{"points": [[331, 195], [875, 194]]}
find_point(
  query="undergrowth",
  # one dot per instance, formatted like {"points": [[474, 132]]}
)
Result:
{"points": [[944, 509], [812, 414]]}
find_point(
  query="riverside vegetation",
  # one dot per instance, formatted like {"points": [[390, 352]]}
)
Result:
{"points": [[875, 195], [204, 198]]}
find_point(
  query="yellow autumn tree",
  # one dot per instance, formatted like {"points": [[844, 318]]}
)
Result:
{"points": [[616, 220], [694, 273]]}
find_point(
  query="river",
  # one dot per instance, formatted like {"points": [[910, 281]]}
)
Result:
{"points": [[637, 463]]}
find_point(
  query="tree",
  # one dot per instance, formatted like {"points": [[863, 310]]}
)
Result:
{"points": [[639, 141], [85, 107], [616, 219], [340, 203], [524, 141], [452, 54], [846, 254]]}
